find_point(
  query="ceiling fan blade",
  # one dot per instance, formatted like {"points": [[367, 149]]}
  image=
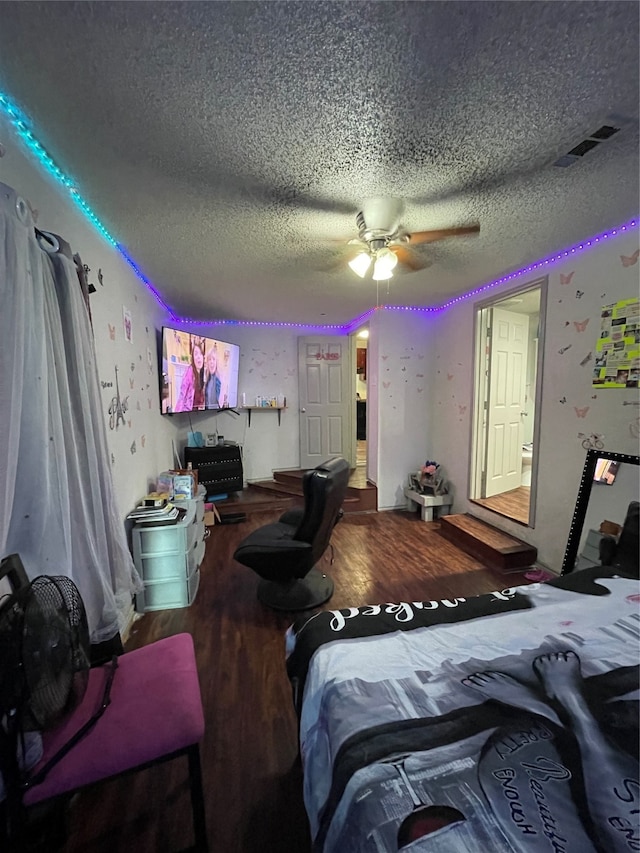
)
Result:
{"points": [[407, 258], [442, 234], [349, 243]]}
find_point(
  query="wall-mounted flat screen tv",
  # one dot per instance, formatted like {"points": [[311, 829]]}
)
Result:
{"points": [[198, 373]]}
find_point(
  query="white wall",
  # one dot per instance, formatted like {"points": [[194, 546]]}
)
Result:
{"points": [[400, 377], [269, 367], [570, 404], [142, 447]]}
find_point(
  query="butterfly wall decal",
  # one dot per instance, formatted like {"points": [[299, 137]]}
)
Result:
{"points": [[582, 325], [562, 350], [112, 331], [386, 384], [586, 359], [566, 279], [562, 400], [581, 413], [630, 260], [579, 294]]}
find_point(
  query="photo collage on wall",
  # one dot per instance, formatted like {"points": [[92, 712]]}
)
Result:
{"points": [[617, 363]]}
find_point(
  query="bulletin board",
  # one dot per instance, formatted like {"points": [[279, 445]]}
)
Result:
{"points": [[617, 363]]}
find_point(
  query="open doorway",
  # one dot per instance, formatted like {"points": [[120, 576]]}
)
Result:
{"points": [[361, 340], [508, 367]]}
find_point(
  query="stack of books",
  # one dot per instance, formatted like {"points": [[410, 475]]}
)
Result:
{"points": [[155, 515]]}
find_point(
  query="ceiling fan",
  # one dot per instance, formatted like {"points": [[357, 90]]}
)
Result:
{"points": [[382, 245]]}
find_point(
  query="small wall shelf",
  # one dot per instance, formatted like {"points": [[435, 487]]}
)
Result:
{"points": [[250, 409]]}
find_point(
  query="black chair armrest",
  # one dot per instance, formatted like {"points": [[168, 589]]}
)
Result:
{"points": [[275, 560]]}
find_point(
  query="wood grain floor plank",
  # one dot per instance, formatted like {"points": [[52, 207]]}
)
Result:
{"points": [[252, 778]]}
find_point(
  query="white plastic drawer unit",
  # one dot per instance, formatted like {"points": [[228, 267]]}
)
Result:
{"points": [[164, 566], [167, 538], [168, 558], [166, 595], [200, 509], [195, 534]]}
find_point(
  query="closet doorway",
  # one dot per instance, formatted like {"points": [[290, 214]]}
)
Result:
{"points": [[507, 370]]}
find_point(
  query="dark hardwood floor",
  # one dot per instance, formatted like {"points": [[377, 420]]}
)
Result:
{"points": [[252, 780]]}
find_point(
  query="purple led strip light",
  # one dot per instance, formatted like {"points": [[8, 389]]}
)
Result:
{"points": [[539, 265], [358, 321]]}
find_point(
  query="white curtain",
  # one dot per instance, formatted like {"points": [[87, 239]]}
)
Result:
{"points": [[57, 509]]}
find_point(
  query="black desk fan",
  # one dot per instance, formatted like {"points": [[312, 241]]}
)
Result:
{"points": [[44, 668]]}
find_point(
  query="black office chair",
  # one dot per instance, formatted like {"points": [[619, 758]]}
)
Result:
{"points": [[623, 553], [284, 554]]}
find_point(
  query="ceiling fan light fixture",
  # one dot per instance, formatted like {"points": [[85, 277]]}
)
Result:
{"points": [[360, 264], [384, 265], [388, 258], [381, 273]]}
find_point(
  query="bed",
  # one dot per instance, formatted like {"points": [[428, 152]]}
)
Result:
{"points": [[503, 722]]}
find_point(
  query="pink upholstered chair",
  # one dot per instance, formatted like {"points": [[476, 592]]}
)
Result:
{"points": [[155, 714]]}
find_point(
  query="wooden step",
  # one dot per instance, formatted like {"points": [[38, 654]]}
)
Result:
{"points": [[358, 499], [251, 501], [290, 477], [493, 547], [275, 487]]}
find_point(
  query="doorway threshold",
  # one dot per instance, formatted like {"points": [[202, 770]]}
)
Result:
{"points": [[513, 505]]}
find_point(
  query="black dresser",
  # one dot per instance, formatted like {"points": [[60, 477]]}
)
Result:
{"points": [[219, 468]]}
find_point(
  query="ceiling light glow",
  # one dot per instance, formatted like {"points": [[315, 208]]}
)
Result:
{"points": [[360, 264]]}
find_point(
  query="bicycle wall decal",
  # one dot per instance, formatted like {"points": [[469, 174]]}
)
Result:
{"points": [[593, 441]]}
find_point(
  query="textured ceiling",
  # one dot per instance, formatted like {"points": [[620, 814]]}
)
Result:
{"points": [[228, 145]]}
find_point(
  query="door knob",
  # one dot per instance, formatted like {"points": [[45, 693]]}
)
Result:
{"points": [[303, 410]]}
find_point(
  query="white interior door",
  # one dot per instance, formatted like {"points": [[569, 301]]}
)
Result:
{"points": [[324, 388], [507, 380]]}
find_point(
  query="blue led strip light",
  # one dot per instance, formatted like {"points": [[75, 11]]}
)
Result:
{"points": [[19, 122]]}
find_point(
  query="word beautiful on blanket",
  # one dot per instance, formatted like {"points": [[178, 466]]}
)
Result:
{"points": [[405, 611]]}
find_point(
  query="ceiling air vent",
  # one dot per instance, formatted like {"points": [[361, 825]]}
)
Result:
{"points": [[600, 135]]}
